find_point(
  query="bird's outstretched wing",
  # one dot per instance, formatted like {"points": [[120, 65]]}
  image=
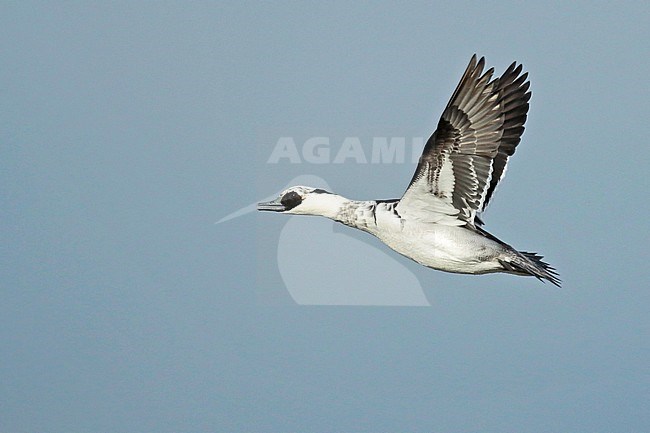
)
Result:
{"points": [[466, 157]]}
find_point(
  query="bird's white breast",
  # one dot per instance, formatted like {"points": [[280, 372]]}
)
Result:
{"points": [[447, 248]]}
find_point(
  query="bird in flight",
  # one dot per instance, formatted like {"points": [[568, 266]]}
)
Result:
{"points": [[437, 221]]}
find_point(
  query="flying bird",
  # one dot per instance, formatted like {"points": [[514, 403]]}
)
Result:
{"points": [[437, 222]]}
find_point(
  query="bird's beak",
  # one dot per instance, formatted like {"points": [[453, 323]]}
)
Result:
{"points": [[273, 206]]}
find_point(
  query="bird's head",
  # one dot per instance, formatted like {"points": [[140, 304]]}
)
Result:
{"points": [[303, 200]]}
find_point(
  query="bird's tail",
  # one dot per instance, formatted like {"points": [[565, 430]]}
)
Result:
{"points": [[532, 264]]}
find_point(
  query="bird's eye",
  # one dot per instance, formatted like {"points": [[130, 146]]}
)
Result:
{"points": [[291, 200]]}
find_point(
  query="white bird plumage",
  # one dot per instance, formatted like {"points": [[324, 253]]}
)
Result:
{"points": [[436, 222]]}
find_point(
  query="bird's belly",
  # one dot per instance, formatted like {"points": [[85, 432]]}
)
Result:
{"points": [[451, 249]]}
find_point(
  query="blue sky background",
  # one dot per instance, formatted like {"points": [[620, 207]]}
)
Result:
{"points": [[128, 128]]}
